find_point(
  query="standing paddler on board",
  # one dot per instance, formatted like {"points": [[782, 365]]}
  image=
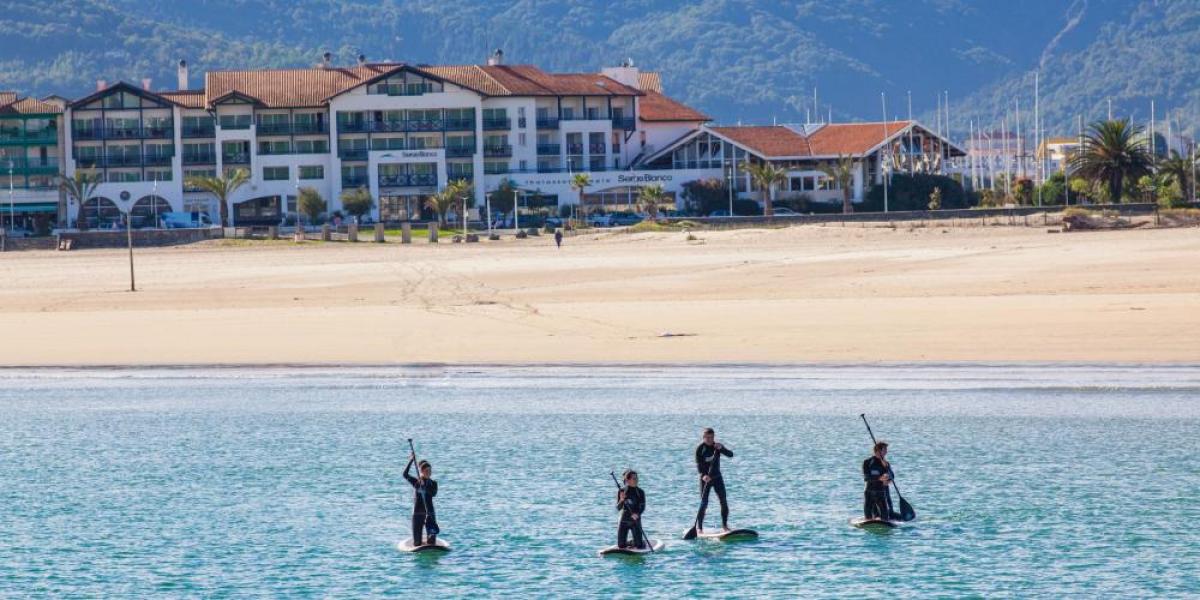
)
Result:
{"points": [[708, 463], [877, 472], [425, 488]]}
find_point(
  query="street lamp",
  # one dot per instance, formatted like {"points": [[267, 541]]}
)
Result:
{"points": [[729, 178], [12, 215]]}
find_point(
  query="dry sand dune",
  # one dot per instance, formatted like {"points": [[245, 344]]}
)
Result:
{"points": [[766, 296]]}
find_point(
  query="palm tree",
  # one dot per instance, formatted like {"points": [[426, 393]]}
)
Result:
{"points": [[766, 176], [1113, 152], [842, 172], [579, 183], [80, 187], [449, 198], [649, 198], [1178, 169], [221, 188]]}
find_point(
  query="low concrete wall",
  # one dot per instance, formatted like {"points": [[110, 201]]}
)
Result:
{"points": [[919, 215], [11, 244], [141, 237]]}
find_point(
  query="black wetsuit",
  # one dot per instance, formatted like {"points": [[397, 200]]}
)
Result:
{"points": [[634, 504], [877, 500], [423, 517], [708, 462]]}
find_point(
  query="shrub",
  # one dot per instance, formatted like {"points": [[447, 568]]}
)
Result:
{"points": [[744, 208], [911, 192], [705, 196]]}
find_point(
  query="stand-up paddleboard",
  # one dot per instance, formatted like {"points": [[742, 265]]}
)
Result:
{"points": [[732, 535], [630, 551], [407, 546], [876, 524]]}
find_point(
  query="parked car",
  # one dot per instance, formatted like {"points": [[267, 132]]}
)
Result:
{"points": [[626, 219], [719, 213], [782, 211], [184, 220], [600, 220]]}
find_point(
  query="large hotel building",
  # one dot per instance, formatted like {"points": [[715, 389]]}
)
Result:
{"points": [[403, 131]]}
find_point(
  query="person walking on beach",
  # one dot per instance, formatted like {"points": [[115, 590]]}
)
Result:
{"points": [[631, 501], [708, 464], [558, 237], [424, 489], [877, 472]]}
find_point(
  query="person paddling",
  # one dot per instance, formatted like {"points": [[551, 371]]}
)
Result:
{"points": [[877, 472], [631, 501], [424, 489], [708, 464]]}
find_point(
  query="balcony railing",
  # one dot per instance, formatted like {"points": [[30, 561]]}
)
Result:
{"points": [[157, 160], [547, 123], [209, 158], [407, 180], [159, 132], [596, 148], [354, 180], [27, 165], [574, 148], [497, 151], [236, 159], [274, 128], [9, 137], [496, 169], [353, 127], [623, 123], [460, 124], [424, 125], [200, 132], [549, 149], [125, 133], [495, 124], [235, 125], [459, 151], [469, 177], [352, 154], [309, 128], [117, 161]]}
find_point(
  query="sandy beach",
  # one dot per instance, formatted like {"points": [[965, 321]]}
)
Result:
{"points": [[804, 293]]}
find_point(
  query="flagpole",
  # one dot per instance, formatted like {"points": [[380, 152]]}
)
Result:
{"points": [[882, 164]]}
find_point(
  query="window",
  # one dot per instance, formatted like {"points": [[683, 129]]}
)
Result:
{"points": [[158, 175], [312, 146], [275, 173], [521, 139], [312, 172], [277, 147], [235, 121], [524, 165]]}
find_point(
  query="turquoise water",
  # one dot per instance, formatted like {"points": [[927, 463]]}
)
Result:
{"points": [[1028, 481]]}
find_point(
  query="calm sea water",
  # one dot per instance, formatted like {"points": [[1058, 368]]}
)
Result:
{"points": [[1028, 480]]}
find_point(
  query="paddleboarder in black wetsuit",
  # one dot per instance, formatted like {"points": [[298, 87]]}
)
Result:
{"points": [[877, 472], [708, 464], [424, 489], [631, 501]]}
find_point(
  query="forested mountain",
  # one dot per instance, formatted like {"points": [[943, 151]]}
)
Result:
{"points": [[748, 60]]}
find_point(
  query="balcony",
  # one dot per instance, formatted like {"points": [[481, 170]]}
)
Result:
{"points": [[203, 131], [625, 123], [122, 160], [13, 137], [549, 149], [235, 125], [309, 128], [424, 179], [387, 126], [547, 123], [460, 151], [353, 181], [239, 158], [575, 149], [408, 180], [203, 158], [29, 166], [460, 124], [352, 127], [468, 177], [274, 128], [503, 151], [497, 124], [496, 169], [353, 154], [268, 151], [157, 160], [424, 125], [596, 148], [159, 132]]}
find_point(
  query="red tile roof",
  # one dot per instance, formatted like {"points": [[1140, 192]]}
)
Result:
{"points": [[852, 138], [528, 80], [280, 88], [767, 140], [185, 98], [654, 106], [10, 105], [472, 77], [7, 98], [650, 81]]}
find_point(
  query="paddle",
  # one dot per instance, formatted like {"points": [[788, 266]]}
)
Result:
{"points": [[906, 510], [430, 528], [691, 533], [637, 523]]}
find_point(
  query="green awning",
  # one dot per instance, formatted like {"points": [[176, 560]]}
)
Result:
{"points": [[28, 207]]}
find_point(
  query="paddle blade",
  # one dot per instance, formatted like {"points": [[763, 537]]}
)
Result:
{"points": [[690, 534], [906, 510]]}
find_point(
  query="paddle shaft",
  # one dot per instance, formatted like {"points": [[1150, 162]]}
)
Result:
{"points": [[424, 499], [863, 416], [638, 522]]}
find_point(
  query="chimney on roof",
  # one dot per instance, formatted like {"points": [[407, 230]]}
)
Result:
{"points": [[146, 83], [496, 59], [326, 59], [183, 75], [626, 74], [362, 59], [101, 85]]}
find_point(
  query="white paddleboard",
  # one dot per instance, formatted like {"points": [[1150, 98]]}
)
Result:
{"points": [[876, 524], [407, 546], [615, 551], [731, 535]]}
